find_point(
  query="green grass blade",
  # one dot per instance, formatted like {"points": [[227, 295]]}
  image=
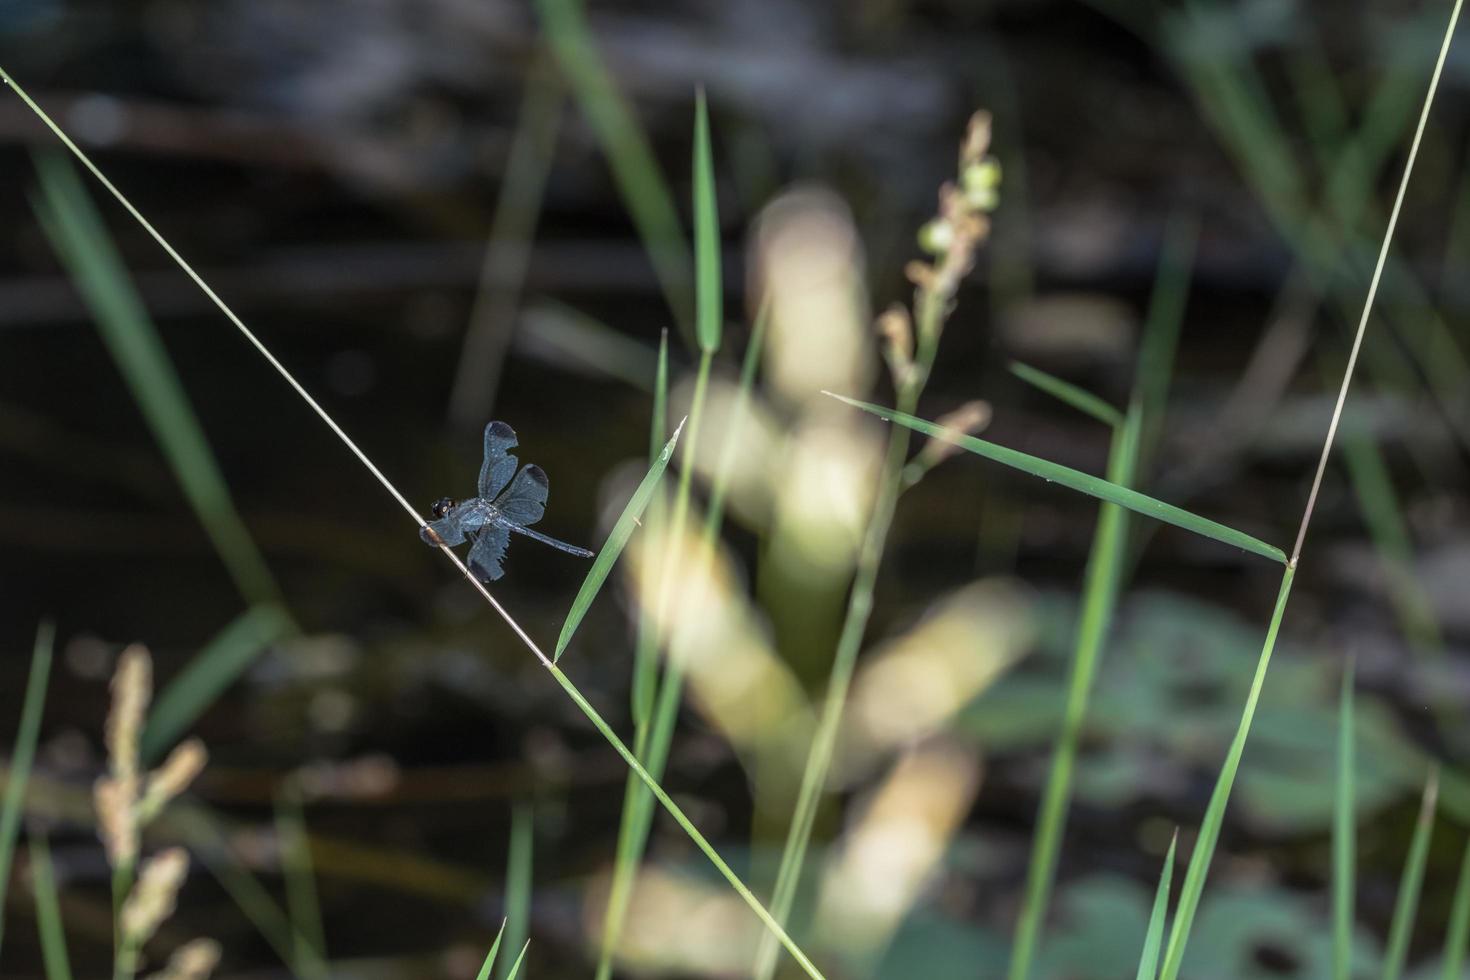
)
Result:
{"points": [[613, 546], [515, 967], [644, 190], [1209, 831], [658, 425], [1148, 962], [1344, 827], [1079, 481], [1099, 600], [212, 670], [489, 963], [24, 753], [49, 924], [1406, 907], [1067, 393], [76, 231], [302, 905], [518, 882], [709, 286], [1458, 930]]}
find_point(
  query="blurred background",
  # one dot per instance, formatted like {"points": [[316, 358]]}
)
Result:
{"points": [[443, 212]]}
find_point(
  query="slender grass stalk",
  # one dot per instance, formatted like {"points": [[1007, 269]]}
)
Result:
{"points": [[1068, 394], [508, 249], [303, 909], [49, 925], [1344, 826], [518, 881], [213, 669], [936, 287], [566, 684], [1099, 600], [80, 239], [645, 646], [489, 963], [1148, 962], [1459, 925], [1405, 907], [640, 182], [1209, 831], [28, 732]]}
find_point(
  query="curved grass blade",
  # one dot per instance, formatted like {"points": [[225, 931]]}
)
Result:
{"points": [[1459, 926], [212, 670], [1209, 831], [1077, 480], [1069, 394], [1407, 905], [1148, 963], [303, 908], [709, 286], [48, 911], [25, 752], [489, 963], [71, 222], [613, 546], [1344, 824]]}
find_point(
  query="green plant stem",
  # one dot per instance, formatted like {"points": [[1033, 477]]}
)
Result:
{"points": [[683, 821], [1458, 930], [855, 623], [1406, 906], [1148, 961], [1100, 599]]}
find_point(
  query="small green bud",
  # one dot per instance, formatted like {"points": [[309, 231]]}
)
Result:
{"points": [[936, 236]]}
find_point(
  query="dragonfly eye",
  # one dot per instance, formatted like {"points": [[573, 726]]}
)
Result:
{"points": [[442, 506]]}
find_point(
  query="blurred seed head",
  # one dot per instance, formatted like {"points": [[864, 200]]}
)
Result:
{"points": [[895, 844], [185, 762], [679, 925], [809, 266], [132, 688], [154, 895], [912, 685], [195, 960], [967, 420]]}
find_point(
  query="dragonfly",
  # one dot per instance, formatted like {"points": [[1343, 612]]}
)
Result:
{"points": [[506, 502]]}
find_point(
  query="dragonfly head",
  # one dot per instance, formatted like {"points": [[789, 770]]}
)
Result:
{"points": [[441, 507]]}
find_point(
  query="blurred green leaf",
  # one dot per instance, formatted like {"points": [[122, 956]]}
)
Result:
{"points": [[641, 183], [518, 882], [1068, 394], [1079, 481], [709, 286], [213, 669], [26, 735], [1344, 823], [76, 231], [1458, 929], [49, 923]]}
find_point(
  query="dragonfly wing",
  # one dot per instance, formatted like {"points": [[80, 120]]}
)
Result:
{"points": [[499, 465], [488, 552], [524, 501], [446, 529]]}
